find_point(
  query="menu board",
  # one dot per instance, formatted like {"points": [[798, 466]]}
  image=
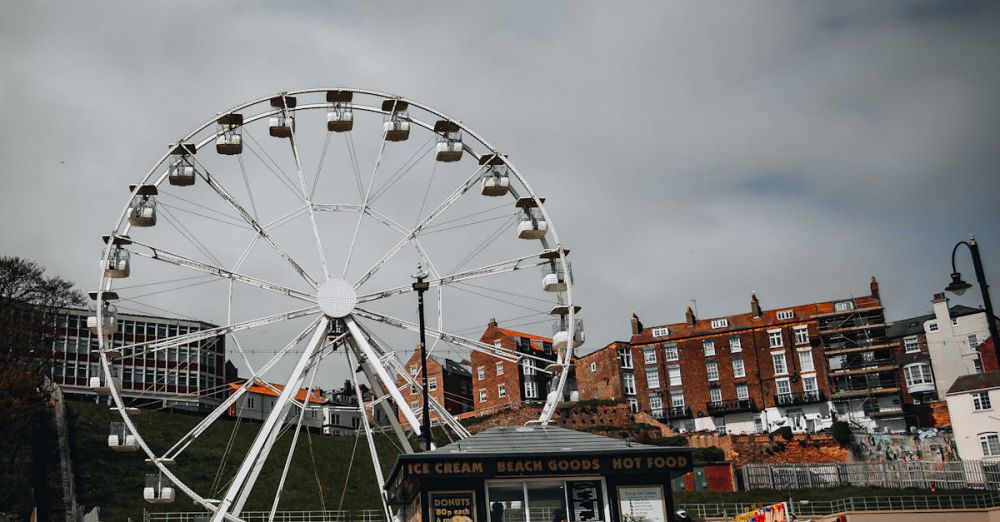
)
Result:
{"points": [[642, 504], [452, 506], [586, 502]]}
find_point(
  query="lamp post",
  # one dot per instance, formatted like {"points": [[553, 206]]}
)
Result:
{"points": [[958, 287], [421, 286]]}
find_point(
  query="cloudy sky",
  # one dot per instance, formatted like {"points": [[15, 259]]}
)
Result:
{"points": [[685, 150]]}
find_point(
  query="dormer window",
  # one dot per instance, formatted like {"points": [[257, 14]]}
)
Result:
{"points": [[786, 314], [661, 332], [844, 306], [720, 323]]}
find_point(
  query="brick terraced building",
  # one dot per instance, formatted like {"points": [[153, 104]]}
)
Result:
{"points": [[607, 374], [498, 384], [449, 382], [802, 366]]}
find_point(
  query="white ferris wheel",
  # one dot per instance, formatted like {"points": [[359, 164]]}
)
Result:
{"points": [[295, 222]]}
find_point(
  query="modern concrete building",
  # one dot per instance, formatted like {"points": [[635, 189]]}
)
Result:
{"points": [[973, 403], [188, 376]]}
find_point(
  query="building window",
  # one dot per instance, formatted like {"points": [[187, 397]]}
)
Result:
{"points": [[973, 341], [977, 364], [739, 370], [656, 405], [843, 306], [528, 366], [774, 339], [482, 395], [432, 384], [780, 365], [720, 425], [481, 372], [708, 346], [712, 368], [742, 392], [499, 368], [674, 374], [530, 390], [809, 385], [786, 314], [932, 327], [954, 321], [802, 335], [918, 373], [593, 367], [633, 405], [676, 399], [720, 323], [981, 401], [502, 391], [649, 354], [670, 352], [758, 423], [629, 382], [415, 408], [625, 357], [652, 378], [413, 389], [990, 442], [783, 387], [806, 361], [911, 345], [498, 343], [735, 344], [661, 332]]}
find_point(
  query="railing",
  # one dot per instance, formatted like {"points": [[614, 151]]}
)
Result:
{"points": [[969, 474], [730, 406], [676, 412], [853, 504], [792, 399], [360, 515]]}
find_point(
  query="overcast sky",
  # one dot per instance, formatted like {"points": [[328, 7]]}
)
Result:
{"points": [[686, 150]]}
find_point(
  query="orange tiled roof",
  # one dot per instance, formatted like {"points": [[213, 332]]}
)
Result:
{"points": [[260, 388], [534, 338]]}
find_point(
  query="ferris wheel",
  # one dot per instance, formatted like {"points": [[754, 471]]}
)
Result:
{"points": [[293, 225]]}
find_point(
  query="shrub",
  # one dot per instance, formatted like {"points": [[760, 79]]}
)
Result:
{"points": [[785, 432], [709, 454], [842, 433], [673, 440]]}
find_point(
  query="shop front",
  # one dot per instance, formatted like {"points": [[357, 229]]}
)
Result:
{"points": [[537, 474]]}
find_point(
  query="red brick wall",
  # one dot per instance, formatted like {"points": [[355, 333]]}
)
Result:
{"points": [[448, 392], [511, 377], [604, 382]]}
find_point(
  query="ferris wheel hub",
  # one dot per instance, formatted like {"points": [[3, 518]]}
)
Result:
{"points": [[337, 298]]}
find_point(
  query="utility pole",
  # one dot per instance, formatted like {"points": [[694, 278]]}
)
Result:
{"points": [[421, 286]]}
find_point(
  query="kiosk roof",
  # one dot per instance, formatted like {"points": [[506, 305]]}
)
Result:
{"points": [[506, 440]]}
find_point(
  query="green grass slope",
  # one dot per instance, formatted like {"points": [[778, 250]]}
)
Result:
{"points": [[114, 481]]}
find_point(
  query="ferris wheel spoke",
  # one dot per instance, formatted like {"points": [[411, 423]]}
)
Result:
{"points": [[222, 408], [388, 355], [372, 448], [170, 342], [261, 231], [307, 198], [488, 349], [245, 478], [381, 397], [476, 273], [412, 234], [179, 260], [365, 202]]}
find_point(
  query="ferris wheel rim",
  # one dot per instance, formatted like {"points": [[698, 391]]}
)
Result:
{"points": [[122, 228]]}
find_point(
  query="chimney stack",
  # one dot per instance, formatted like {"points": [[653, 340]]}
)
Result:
{"points": [[874, 287], [755, 305], [492, 323], [636, 324], [689, 315]]}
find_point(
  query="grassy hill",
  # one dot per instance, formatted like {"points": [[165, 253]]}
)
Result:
{"points": [[114, 481]]}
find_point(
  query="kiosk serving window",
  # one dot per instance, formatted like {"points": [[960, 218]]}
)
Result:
{"points": [[546, 501]]}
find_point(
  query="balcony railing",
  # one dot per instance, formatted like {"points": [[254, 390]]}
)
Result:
{"points": [[794, 399], [677, 412], [730, 406]]}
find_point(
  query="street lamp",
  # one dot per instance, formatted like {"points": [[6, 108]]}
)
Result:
{"points": [[421, 286], [958, 287]]}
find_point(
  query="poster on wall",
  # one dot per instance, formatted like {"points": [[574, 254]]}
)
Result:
{"points": [[452, 506], [642, 504], [586, 500]]}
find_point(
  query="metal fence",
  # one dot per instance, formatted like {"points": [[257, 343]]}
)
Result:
{"points": [[968, 474], [360, 515], [804, 507]]}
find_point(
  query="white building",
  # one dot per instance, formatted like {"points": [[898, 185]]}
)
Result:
{"points": [[259, 399], [974, 406], [952, 342]]}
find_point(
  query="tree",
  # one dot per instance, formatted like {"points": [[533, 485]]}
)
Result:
{"points": [[29, 301]]}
